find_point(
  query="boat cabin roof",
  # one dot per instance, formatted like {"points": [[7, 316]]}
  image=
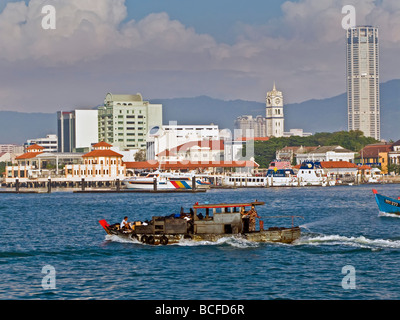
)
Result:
{"points": [[228, 205]]}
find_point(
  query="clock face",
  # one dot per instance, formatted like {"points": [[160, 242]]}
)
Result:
{"points": [[277, 101]]}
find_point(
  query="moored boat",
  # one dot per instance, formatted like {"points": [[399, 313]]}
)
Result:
{"points": [[386, 204], [167, 181], [206, 222], [311, 173]]}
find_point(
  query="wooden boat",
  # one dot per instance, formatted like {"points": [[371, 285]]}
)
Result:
{"points": [[386, 204], [206, 222]]}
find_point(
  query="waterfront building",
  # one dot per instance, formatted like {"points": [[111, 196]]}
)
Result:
{"points": [[101, 164], [125, 120], [394, 154], [50, 143], [167, 137], [275, 118], [375, 154], [36, 163], [363, 93], [77, 130], [326, 153]]}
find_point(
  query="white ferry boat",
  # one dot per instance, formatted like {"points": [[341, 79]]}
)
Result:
{"points": [[311, 173], [167, 180], [279, 174]]}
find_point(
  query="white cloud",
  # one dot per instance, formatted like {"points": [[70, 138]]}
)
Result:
{"points": [[94, 51]]}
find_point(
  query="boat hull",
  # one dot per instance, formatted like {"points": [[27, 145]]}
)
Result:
{"points": [[386, 204], [272, 235]]}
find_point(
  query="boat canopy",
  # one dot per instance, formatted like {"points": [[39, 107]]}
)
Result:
{"points": [[228, 205]]}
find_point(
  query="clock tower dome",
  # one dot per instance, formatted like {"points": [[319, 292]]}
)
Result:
{"points": [[274, 113]]}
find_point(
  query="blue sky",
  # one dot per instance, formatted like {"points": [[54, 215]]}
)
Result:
{"points": [[178, 48], [219, 18]]}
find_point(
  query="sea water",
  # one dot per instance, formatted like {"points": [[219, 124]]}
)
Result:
{"points": [[342, 229]]}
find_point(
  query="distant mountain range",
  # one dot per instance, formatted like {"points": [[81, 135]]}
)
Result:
{"points": [[326, 115]]}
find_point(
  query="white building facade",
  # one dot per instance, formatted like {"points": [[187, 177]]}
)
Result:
{"points": [[328, 153], [173, 135], [363, 93], [77, 130], [274, 114]]}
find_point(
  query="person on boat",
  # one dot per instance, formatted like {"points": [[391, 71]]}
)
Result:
{"points": [[124, 224], [252, 218]]}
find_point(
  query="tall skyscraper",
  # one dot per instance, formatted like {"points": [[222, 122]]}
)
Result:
{"points": [[363, 94], [275, 115]]}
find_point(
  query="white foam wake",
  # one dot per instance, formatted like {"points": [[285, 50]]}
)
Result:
{"points": [[361, 241], [231, 241], [389, 215]]}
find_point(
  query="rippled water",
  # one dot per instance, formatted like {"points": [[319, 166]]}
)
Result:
{"points": [[342, 226]]}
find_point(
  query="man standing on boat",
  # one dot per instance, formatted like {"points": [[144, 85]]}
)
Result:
{"points": [[252, 214]]}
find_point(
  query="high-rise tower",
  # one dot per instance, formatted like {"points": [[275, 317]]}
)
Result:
{"points": [[275, 116], [363, 94]]}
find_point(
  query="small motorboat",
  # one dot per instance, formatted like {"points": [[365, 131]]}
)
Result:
{"points": [[386, 204]]}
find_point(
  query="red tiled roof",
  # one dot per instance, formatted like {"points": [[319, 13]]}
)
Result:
{"points": [[102, 153], [28, 155], [372, 151], [189, 165], [35, 147], [102, 144], [337, 164]]}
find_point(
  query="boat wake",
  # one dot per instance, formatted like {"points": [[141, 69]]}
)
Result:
{"points": [[358, 242], [228, 241], [389, 215]]}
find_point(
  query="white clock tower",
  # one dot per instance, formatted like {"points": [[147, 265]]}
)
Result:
{"points": [[275, 116]]}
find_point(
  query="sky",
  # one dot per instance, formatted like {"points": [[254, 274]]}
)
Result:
{"points": [[225, 49]]}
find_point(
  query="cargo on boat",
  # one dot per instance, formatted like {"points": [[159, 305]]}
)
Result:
{"points": [[205, 222]]}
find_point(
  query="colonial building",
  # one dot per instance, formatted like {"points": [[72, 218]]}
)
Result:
{"points": [[327, 153], [274, 114], [100, 164]]}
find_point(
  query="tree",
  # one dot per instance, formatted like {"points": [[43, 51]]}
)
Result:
{"points": [[264, 151], [140, 156]]}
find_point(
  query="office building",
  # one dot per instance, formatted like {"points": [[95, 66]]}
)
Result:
{"points": [[363, 80], [251, 127], [77, 130], [125, 120], [50, 143]]}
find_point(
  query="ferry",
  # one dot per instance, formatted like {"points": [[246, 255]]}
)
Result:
{"points": [[279, 174], [311, 173], [386, 204], [206, 222], [167, 181]]}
